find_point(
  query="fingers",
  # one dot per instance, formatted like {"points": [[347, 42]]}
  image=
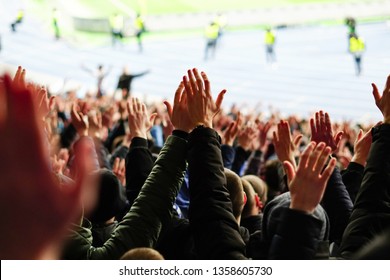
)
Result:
{"points": [[313, 128], [289, 169], [193, 84], [297, 140], [328, 171], [187, 88], [206, 82], [338, 138], [305, 155], [314, 155], [129, 106], [275, 138], [115, 166], [376, 94], [328, 124], [152, 118], [178, 93], [169, 108], [359, 136], [219, 100], [321, 160], [199, 80], [387, 88]]}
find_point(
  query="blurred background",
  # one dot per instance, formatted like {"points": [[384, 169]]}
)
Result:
{"points": [[63, 43]]}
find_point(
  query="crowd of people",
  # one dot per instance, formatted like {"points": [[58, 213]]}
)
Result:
{"points": [[96, 178]]}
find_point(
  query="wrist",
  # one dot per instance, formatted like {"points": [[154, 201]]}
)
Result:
{"points": [[301, 207], [359, 160], [139, 134]]}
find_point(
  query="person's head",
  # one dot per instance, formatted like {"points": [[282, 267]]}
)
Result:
{"points": [[273, 174], [236, 192], [142, 254], [260, 187], [272, 217], [100, 67], [253, 204], [110, 198]]}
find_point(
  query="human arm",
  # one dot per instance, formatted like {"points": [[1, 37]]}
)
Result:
{"points": [[298, 231], [370, 215], [215, 230], [26, 169]]}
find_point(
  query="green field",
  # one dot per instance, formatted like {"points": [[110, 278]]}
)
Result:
{"points": [[192, 6]]}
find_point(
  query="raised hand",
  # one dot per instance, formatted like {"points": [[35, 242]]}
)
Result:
{"points": [[263, 132], [383, 101], [20, 77], [307, 185], [362, 147], [247, 136], [201, 106], [27, 185], [178, 113], [285, 146], [231, 132], [95, 123], [321, 131], [119, 169], [139, 120], [79, 121]]}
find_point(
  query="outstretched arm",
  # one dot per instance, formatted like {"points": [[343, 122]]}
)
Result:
{"points": [[370, 216], [216, 233]]}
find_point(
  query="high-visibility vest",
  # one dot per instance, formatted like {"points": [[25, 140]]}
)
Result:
{"points": [[117, 22], [356, 45], [269, 38], [139, 23], [212, 31], [20, 15]]}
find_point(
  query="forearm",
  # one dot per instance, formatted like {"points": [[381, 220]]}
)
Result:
{"points": [[215, 229], [139, 164], [153, 207]]}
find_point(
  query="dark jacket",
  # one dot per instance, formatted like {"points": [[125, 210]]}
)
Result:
{"points": [[371, 213], [216, 232], [151, 210], [352, 178], [338, 205]]}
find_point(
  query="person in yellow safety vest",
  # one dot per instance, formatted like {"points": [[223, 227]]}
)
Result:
{"points": [[116, 26], [55, 17], [357, 48], [269, 40], [19, 19], [139, 25], [211, 32]]}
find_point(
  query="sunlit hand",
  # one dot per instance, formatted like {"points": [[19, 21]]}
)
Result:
{"points": [[383, 101], [285, 146], [307, 185], [178, 113], [139, 120], [321, 131], [201, 106]]}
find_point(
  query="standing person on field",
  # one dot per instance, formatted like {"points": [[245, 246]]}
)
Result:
{"points": [[139, 25], [212, 33], [269, 40], [116, 25], [357, 48], [55, 17], [18, 20]]}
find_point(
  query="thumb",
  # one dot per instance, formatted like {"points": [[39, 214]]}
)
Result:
{"points": [[169, 108], [220, 97], [152, 118], [289, 169], [298, 140]]}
